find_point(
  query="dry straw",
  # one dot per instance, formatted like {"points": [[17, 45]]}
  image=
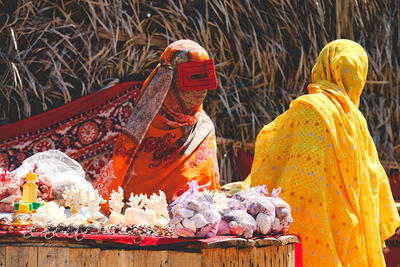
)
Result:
{"points": [[52, 52]]}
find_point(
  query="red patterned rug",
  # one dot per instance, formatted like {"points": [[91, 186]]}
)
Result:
{"points": [[85, 129]]}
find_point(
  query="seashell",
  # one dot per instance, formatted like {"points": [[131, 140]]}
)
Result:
{"points": [[188, 223], [184, 232], [220, 200], [236, 230], [282, 212], [253, 209], [176, 226], [261, 206], [207, 206], [232, 224], [247, 233], [50, 211], [211, 215], [175, 210], [193, 205], [161, 222], [75, 218], [208, 197], [276, 226], [286, 222], [264, 223], [239, 222], [233, 204], [223, 228], [175, 220], [199, 220], [209, 230], [186, 213]]}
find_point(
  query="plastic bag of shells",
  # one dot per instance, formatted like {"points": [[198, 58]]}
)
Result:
{"points": [[194, 214], [251, 212]]}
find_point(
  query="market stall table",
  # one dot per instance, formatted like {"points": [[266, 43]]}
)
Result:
{"points": [[15, 250]]}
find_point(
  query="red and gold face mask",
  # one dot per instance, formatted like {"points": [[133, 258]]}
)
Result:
{"points": [[200, 75]]}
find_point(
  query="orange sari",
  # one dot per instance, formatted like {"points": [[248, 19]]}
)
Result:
{"points": [[176, 149]]}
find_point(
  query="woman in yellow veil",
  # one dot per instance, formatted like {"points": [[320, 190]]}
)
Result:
{"points": [[321, 154]]}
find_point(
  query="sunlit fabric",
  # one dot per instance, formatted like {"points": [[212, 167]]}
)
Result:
{"points": [[321, 154]]}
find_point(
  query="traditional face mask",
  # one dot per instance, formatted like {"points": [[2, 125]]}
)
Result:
{"points": [[198, 75]]}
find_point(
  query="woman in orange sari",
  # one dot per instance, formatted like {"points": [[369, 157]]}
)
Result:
{"points": [[321, 154], [168, 140]]}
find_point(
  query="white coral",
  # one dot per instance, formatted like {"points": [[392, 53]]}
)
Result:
{"points": [[158, 204], [137, 201], [135, 213], [75, 198], [94, 200], [116, 200], [50, 212], [116, 218], [148, 211]]}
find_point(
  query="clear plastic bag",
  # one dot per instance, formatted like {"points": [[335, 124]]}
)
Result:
{"points": [[237, 222], [55, 170], [255, 202], [283, 218], [194, 214], [10, 191]]}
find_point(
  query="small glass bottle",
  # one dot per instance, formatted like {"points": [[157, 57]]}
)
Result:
{"points": [[30, 188]]}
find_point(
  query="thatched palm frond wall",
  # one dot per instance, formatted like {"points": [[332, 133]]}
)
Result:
{"points": [[52, 52]]}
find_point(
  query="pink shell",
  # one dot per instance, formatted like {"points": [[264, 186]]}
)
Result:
{"points": [[184, 232]]}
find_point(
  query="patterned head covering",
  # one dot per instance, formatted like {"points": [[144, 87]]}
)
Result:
{"points": [[345, 64], [192, 49], [157, 86], [178, 52]]}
